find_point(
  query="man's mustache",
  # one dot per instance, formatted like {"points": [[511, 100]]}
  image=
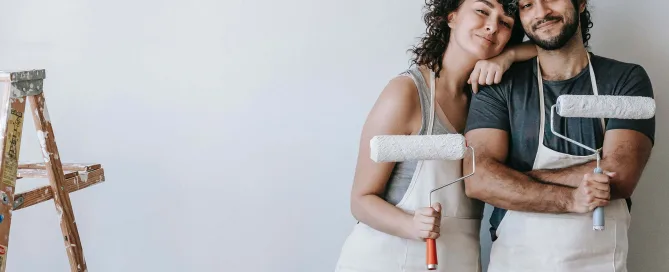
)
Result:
{"points": [[546, 19]]}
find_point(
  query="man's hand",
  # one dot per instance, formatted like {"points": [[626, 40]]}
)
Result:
{"points": [[625, 150], [593, 191]]}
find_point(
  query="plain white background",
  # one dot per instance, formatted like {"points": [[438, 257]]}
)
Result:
{"points": [[229, 129]]}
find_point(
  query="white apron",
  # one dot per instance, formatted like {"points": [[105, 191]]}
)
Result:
{"points": [[458, 248], [561, 242]]}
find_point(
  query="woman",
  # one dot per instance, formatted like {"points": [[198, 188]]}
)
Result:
{"points": [[465, 42]]}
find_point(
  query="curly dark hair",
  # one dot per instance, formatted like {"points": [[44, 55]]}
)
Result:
{"points": [[431, 48], [586, 21]]}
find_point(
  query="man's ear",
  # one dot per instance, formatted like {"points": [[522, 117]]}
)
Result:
{"points": [[581, 5]]}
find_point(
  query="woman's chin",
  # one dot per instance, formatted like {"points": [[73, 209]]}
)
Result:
{"points": [[482, 53]]}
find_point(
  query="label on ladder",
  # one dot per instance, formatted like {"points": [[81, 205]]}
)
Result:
{"points": [[3, 257], [12, 145]]}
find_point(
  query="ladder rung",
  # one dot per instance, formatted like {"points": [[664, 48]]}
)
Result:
{"points": [[66, 166], [41, 173], [80, 181]]}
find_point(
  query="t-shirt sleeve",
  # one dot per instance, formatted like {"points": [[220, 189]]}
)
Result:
{"points": [[488, 109], [637, 83]]}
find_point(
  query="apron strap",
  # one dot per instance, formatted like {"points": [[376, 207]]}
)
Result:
{"points": [[595, 90], [542, 111], [432, 101], [542, 122]]}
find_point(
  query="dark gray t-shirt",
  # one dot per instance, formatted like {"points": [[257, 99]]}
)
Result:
{"points": [[513, 106]]}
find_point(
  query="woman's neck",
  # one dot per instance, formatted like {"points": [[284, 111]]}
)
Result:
{"points": [[457, 66]]}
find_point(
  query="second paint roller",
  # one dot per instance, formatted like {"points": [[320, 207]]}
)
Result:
{"points": [[396, 148], [601, 106]]}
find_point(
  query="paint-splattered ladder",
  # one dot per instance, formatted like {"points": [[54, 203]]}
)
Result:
{"points": [[17, 88]]}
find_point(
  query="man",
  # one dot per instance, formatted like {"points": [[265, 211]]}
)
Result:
{"points": [[542, 186]]}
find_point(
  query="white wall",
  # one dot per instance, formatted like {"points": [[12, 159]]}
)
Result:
{"points": [[644, 40], [235, 110]]}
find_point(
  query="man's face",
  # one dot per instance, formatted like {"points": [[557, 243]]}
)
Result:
{"points": [[549, 24]]}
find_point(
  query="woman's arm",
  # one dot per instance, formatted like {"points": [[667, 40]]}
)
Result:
{"points": [[490, 71], [520, 52], [396, 112]]}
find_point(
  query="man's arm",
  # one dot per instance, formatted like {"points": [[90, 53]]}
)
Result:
{"points": [[624, 154], [493, 182], [627, 144], [498, 185], [570, 176]]}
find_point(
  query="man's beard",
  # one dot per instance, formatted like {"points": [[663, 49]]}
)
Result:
{"points": [[561, 39]]}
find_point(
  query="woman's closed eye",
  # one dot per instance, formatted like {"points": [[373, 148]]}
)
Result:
{"points": [[486, 13], [482, 11]]}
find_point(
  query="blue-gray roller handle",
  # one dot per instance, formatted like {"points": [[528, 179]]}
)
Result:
{"points": [[598, 214]]}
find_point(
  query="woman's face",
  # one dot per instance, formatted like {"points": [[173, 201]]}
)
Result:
{"points": [[481, 27]]}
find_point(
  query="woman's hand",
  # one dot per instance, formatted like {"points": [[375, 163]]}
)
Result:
{"points": [[426, 222], [489, 71]]}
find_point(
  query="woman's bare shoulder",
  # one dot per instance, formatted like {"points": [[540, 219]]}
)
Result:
{"points": [[397, 106]]}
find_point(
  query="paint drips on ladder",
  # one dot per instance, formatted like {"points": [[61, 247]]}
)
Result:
{"points": [[84, 176], [41, 135], [46, 114], [60, 212]]}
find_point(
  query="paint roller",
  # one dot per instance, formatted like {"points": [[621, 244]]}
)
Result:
{"points": [[396, 148], [601, 106]]}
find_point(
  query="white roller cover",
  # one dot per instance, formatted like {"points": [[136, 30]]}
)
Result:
{"points": [[395, 148], [605, 106]]}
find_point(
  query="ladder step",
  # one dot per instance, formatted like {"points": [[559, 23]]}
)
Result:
{"points": [[66, 166], [41, 173], [79, 181]]}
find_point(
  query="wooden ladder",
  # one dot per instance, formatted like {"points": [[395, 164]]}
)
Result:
{"points": [[16, 88]]}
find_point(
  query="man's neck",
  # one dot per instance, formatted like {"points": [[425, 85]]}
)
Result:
{"points": [[563, 63]]}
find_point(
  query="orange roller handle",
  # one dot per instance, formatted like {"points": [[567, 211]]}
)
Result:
{"points": [[431, 254]]}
